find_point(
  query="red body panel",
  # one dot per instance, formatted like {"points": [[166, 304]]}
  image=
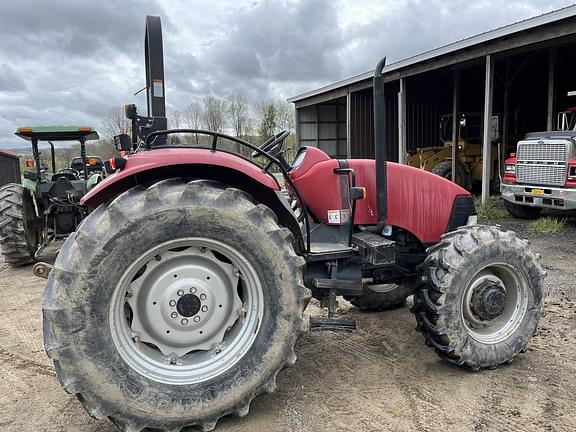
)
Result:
{"points": [[162, 158], [418, 201]]}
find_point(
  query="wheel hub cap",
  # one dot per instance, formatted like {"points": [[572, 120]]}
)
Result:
{"points": [[494, 302], [488, 300], [188, 305], [185, 301]]}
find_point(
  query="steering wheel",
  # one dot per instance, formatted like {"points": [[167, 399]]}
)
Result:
{"points": [[272, 145], [67, 173]]}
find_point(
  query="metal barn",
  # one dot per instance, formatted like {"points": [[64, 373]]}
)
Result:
{"points": [[521, 72]]}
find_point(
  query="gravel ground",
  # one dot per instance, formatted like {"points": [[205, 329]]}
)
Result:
{"points": [[381, 378]]}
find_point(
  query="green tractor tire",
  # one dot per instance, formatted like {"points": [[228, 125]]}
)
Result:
{"points": [[18, 236]]}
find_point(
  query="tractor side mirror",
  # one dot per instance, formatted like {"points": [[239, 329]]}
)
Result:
{"points": [[122, 142]]}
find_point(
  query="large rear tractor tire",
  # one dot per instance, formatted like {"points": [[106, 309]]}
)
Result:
{"points": [[174, 305], [18, 235], [482, 297], [379, 298], [522, 211], [444, 169]]}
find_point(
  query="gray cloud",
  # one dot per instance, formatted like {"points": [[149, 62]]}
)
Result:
{"points": [[66, 61], [10, 81]]}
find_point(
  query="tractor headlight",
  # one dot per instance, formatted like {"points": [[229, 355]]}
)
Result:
{"points": [[510, 168]]}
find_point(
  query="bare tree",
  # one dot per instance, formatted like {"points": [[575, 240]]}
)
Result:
{"points": [[238, 113], [267, 119], [115, 122], [214, 117], [193, 115], [285, 116], [175, 119]]}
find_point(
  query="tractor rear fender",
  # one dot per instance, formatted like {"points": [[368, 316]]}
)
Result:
{"points": [[152, 166]]}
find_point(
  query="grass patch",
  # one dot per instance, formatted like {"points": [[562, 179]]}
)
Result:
{"points": [[490, 211], [546, 225]]}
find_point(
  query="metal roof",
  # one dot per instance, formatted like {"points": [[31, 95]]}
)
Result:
{"points": [[57, 133], [520, 26]]}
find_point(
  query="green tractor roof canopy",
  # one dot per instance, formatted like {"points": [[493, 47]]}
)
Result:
{"points": [[58, 133]]}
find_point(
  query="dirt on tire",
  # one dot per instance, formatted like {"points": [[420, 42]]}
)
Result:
{"points": [[381, 378]]}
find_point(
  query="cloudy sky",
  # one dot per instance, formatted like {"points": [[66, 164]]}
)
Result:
{"points": [[68, 61]]}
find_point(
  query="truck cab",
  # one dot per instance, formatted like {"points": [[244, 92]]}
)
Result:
{"points": [[542, 172]]}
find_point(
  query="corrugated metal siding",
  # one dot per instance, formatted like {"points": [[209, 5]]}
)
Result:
{"points": [[9, 169], [324, 126], [362, 123], [425, 105]]}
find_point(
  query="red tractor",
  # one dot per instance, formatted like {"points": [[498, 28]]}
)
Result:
{"points": [[181, 296]]}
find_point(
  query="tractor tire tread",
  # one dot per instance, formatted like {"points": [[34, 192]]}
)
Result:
{"points": [[432, 302], [64, 316], [13, 242]]}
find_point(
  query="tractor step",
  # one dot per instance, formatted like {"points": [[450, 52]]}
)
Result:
{"points": [[376, 249], [332, 324]]}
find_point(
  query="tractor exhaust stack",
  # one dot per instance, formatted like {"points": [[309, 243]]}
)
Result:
{"points": [[380, 141]]}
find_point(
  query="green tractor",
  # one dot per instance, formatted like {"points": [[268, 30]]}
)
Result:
{"points": [[46, 206]]}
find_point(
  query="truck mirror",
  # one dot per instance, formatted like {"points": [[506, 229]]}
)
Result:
{"points": [[122, 142], [494, 128]]}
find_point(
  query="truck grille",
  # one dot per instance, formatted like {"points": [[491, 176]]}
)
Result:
{"points": [[542, 162]]}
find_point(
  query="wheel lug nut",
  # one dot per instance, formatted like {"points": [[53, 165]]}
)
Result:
{"points": [[174, 315], [180, 293], [129, 295], [193, 290], [196, 318], [173, 359], [204, 308], [184, 321], [202, 296], [203, 249], [136, 338], [172, 303]]}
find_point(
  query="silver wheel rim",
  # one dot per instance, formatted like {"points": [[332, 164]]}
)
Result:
{"points": [[383, 288], [186, 311], [516, 302]]}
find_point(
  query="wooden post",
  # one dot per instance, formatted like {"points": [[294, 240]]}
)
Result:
{"points": [[487, 141], [455, 122], [348, 124], [402, 153], [551, 89]]}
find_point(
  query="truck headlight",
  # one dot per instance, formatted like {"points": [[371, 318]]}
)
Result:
{"points": [[510, 168]]}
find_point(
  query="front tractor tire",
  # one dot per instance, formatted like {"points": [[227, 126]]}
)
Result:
{"points": [[18, 234], [482, 297], [174, 305]]}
